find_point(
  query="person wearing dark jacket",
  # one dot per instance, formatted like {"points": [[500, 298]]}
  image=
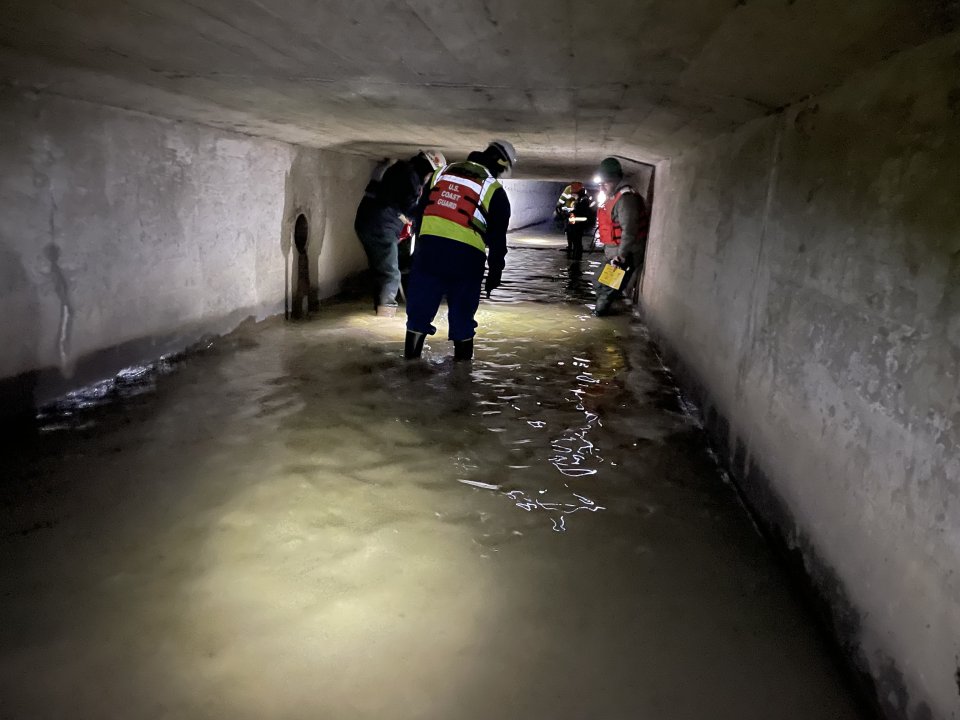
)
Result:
{"points": [[382, 215], [463, 226], [579, 218], [623, 223]]}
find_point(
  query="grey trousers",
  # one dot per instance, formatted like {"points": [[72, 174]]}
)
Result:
{"points": [[382, 255], [606, 295]]}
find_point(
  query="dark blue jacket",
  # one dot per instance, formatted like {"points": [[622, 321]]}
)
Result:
{"points": [[396, 193]]}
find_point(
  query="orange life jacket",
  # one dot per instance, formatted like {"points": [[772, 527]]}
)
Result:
{"points": [[610, 230], [457, 196]]}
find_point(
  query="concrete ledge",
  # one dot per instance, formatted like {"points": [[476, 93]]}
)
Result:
{"points": [[23, 395], [820, 586]]}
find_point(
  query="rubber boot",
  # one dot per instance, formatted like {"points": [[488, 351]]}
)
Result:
{"points": [[413, 346], [604, 306], [463, 349]]}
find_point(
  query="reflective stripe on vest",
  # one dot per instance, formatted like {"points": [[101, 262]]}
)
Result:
{"points": [[567, 199], [459, 202], [610, 230]]}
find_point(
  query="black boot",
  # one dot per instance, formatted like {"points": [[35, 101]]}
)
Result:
{"points": [[604, 305], [413, 347], [463, 349]]}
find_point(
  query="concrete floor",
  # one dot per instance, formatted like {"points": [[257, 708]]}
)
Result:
{"points": [[294, 523]]}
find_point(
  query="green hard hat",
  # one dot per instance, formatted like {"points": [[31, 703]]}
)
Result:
{"points": [[610, 168]]}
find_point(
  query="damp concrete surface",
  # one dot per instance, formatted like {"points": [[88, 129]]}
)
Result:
{"points": [[295, 523]]}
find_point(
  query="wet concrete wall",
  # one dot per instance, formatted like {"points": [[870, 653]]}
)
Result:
{"points": [[124, 236], [805, 272], [531, 201]]}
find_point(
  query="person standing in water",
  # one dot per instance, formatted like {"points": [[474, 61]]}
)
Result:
{"points": [[464, 224]]}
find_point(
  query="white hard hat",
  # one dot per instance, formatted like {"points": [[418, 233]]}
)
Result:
{"points": [[435, 158], [507, 150]]}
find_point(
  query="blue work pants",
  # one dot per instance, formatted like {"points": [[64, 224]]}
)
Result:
{"points": [[445, 268]]}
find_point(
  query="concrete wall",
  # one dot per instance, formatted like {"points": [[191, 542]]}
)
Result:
{"points": [[806, 272], [531, 201], [641, 178], [123, 236]]}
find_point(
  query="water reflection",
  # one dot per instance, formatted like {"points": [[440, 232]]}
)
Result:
{"points": [[556, 510], [77, 409], [541, 377], [522, 422], [303, 525]]}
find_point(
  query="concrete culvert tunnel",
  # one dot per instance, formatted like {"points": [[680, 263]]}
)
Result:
{"points": [[736, 497]]}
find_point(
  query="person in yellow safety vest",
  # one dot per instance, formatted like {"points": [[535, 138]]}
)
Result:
{"points": [[580, 217], [463, 227], [566, 202]]}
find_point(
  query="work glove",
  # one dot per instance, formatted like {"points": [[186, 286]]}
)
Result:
{"points": [[620, 262], [493, 281]]}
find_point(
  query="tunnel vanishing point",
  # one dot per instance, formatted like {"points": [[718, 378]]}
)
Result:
{"points": [[171, 169]]}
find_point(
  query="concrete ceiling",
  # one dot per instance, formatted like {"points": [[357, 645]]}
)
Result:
{"points": [[568, 81]]}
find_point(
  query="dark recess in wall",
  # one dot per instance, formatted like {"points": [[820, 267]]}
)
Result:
{"points": [[300, 233], [301, 293]]}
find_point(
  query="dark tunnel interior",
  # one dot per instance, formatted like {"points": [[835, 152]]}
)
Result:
{"points": [[226, 491]]}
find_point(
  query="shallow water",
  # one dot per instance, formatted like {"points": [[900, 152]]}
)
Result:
{"points": [[295, 523]]}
